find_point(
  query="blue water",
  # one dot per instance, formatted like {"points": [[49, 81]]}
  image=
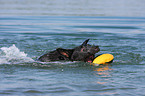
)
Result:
{"points": [[24, 38], [30, 28]]}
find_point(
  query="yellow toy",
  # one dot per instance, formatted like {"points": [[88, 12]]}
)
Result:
{"points": [[104, 59]]}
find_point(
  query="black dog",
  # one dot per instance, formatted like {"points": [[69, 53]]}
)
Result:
{"points": [[84, 52]]}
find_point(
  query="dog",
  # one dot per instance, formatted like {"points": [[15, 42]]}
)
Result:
{"points": [[85, 52]]}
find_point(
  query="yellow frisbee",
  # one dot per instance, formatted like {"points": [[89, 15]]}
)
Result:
{"points": [[104, 59]]}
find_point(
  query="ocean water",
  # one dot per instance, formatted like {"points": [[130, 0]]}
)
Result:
{"points": [[23, 39], [31, 28]]}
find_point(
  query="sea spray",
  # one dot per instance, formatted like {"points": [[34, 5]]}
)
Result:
{"points": [[12, 54]]}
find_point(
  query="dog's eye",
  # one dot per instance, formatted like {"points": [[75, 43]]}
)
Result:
{"points": [[83, 50], [61, 58]]}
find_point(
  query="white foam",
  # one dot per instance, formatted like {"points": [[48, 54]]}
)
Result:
{"points": [[12, 54]]}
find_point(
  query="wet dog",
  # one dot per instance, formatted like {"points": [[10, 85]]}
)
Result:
{"points": [[85, 52]]}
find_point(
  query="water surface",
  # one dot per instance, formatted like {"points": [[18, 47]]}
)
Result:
{"points": [[24, 38], [131, 8], [30, 28]]}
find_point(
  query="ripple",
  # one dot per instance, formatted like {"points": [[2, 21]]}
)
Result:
{"points": [[8, 92], [59, 90], [95, 90], [32, 91], [112, 27]]}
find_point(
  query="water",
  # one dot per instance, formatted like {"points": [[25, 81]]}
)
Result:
{"points": [[73, 7], [23, 39], [28, 30]]}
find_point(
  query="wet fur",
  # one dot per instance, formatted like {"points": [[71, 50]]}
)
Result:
{"points": [[84, 52]]}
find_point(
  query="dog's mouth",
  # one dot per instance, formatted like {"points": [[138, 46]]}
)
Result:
{"points": [[97, 49], [90, 58]]}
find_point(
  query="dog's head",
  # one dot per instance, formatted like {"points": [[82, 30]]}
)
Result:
{"points": [[85, 52]]}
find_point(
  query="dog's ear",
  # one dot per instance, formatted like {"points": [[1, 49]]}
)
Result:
{"points": [[65, 52], [85, 42]]}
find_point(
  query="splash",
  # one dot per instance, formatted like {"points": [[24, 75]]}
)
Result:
{"points": [[12, 54]]}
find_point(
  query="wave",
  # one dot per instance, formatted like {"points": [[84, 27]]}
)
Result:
{"points": [[12, 55]]}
